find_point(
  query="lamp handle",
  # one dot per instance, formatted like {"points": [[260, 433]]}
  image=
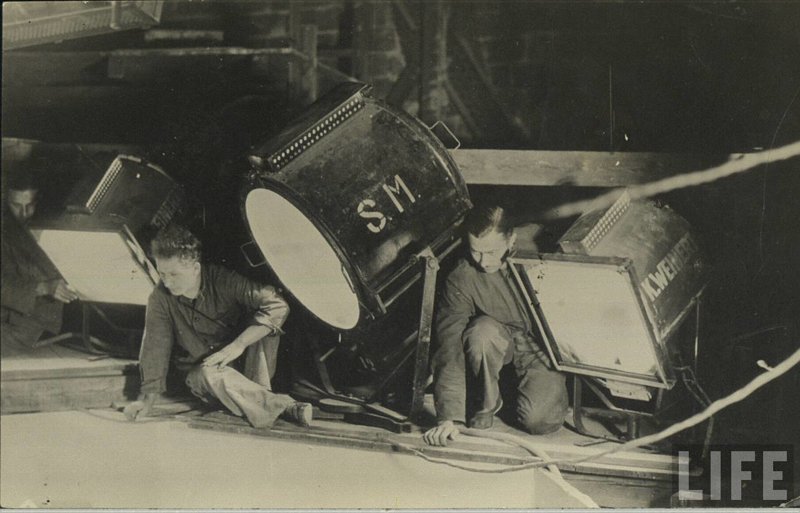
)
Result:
{"points": [[444, 125], [243, 249]]}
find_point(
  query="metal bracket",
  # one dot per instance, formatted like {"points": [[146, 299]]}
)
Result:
{"points": [[247, 257], [431, 269], [444, 125]]}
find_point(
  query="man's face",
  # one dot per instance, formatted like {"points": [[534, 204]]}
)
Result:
{"points": [[179, 275], [22, 203], [489, 250]]}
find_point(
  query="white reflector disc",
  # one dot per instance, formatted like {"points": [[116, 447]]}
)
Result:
{"points": [[302, 258]]}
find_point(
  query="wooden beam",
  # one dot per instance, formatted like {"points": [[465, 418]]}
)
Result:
{"points": [[309, 83], [433, 61], [147, 66], [166, 64], [409, 42], [575, 168]]}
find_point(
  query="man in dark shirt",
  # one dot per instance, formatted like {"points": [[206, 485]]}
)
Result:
{"points": [[203, 307], [33, 291], [481, 326]]}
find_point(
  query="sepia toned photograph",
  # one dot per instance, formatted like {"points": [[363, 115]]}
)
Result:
{"points": [[400, 254]]}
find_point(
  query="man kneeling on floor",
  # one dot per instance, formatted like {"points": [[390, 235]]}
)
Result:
{"points": [[481, 326], [200, 306]]}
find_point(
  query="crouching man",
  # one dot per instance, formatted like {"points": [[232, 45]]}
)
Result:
{"points": [[481, 327], [203, 307]]}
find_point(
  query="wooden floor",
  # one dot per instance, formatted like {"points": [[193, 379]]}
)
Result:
{"points": [[629, 479], [94, 459], [107, 453]]}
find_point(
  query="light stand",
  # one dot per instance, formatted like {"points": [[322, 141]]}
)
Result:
{"points": [[371, 413]]}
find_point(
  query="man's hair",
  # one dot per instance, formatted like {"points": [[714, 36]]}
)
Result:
{"points": [[483, 219], [21, 176], [176, 241]]}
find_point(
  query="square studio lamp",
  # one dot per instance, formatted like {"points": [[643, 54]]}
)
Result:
{"points": [[102, 262], [592, 318], [608, 306], [94, 243]]}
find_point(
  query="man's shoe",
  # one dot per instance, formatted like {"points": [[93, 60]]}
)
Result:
{"points": [[484, 419], [302, 413]]}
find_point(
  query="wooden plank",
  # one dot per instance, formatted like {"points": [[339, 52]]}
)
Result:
{"points": [[630, 465], [18, 396], [68, 373], [575, 168], [614, 492]]}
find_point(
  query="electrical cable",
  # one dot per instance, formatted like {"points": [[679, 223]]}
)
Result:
{"points": [[737, 396], [552, 471], [741, 164]]}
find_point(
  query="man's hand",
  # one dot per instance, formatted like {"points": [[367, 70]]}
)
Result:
{"points": [[225, 355], [140, 408], [439, 435], [58, 288], [64, 293]]}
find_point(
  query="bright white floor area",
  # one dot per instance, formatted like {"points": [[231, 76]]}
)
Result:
{"points": [[95, 459]]}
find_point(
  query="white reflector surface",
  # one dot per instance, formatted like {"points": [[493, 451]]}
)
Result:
{"points": [[98, 265], [302, 258], [594, 316]]}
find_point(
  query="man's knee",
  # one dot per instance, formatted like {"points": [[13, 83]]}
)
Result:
{"points": [[543, 411], [200, 379], [483, 332], [538, 424]]}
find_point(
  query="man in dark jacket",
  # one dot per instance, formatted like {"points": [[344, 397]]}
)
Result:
{"points": [[481, 326], [33, 291], [212, 316]]}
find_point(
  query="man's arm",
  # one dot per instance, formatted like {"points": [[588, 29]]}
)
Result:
{"points": [[156, 344], [455, 310], [232, 351], [22, 281], [18, 293], [154, 356], [271, 311], [19, 289]]}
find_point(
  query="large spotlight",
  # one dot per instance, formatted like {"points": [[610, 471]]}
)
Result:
{"points": [[345, 205]]}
